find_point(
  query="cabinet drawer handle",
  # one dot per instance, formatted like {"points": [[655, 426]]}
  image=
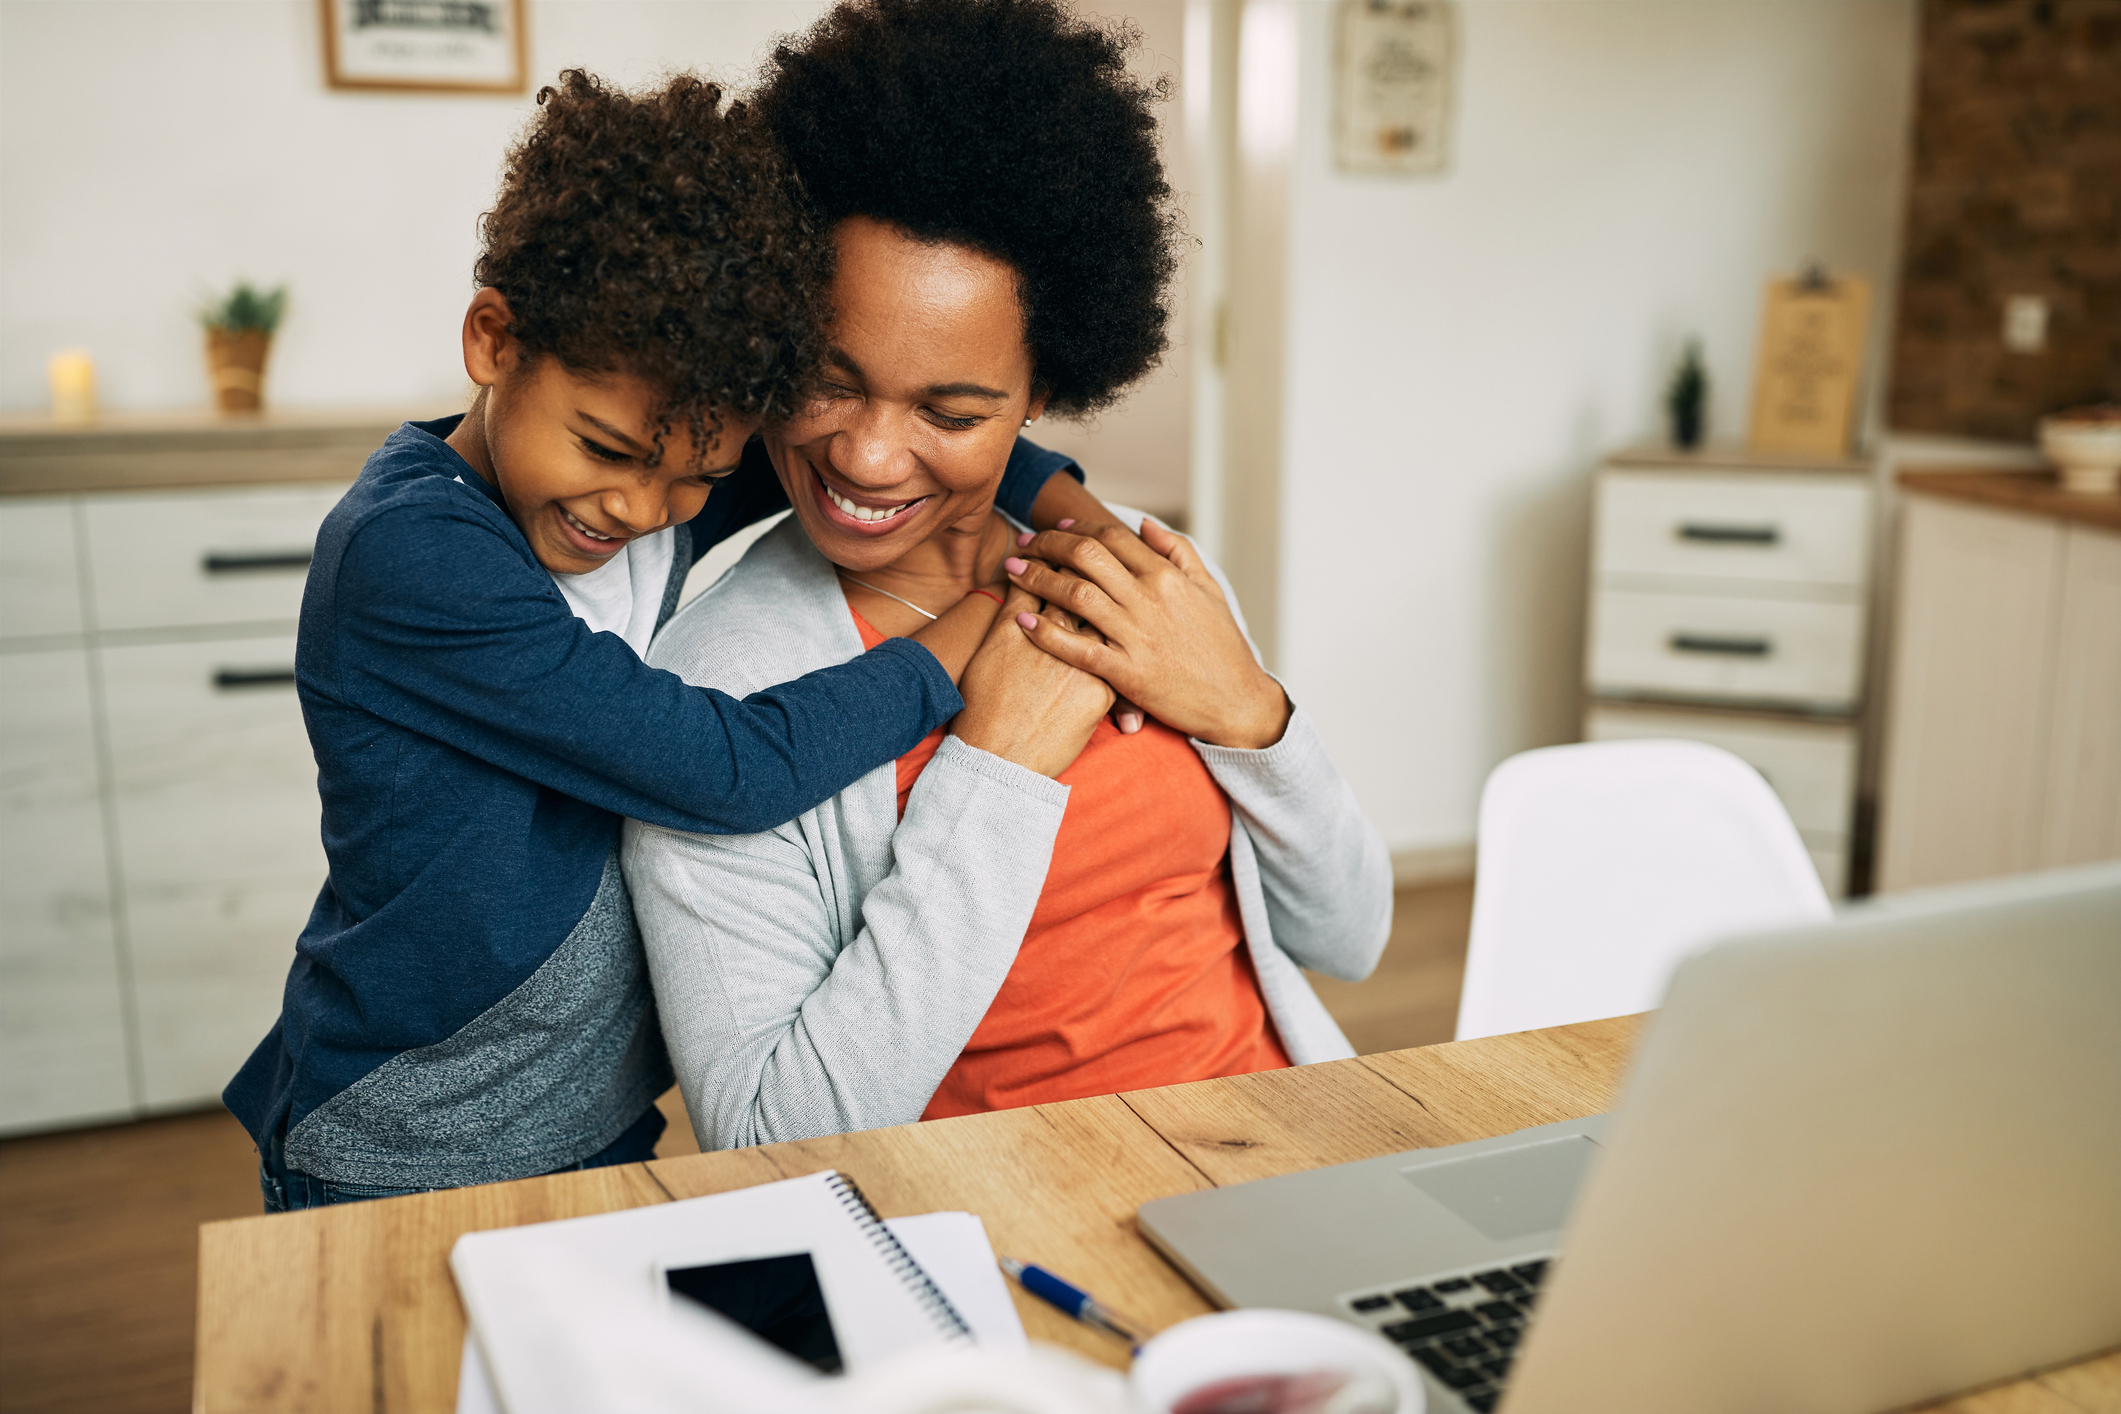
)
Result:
{"points": [[1730, 534], [236, 679], [255, 561], [1711, 643]]}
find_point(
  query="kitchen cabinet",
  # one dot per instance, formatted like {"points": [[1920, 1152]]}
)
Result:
{"points": [[214, 795], [2003, 746], [63, 1023]]}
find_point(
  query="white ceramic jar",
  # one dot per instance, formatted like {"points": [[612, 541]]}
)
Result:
{"points": [[2085, 445]]}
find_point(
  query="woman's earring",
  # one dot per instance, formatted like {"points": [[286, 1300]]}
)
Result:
{"points": [[1027, 422]]}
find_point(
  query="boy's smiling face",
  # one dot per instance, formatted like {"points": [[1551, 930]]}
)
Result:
{"points": [[569, 452]]}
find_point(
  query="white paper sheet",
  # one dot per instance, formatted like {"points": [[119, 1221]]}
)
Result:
{"points": [[951, 1247], [474, 1390]]}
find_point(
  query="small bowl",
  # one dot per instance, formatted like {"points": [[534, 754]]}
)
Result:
{"points": [[2086, 450], [1208, 1349]]}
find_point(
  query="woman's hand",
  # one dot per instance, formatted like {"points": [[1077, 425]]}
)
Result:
{"points": [[1025, 705], [1066, 504], [1170, 644]]}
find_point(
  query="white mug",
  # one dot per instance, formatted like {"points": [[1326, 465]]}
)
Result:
{"points": [[1207, 1350]]}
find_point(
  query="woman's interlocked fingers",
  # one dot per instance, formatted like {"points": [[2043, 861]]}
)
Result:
{"points": [[1165, 636]]}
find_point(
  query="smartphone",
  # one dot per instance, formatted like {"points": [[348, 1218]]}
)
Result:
{"points": [[777, 1299]]}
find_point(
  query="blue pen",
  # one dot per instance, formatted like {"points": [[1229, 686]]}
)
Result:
{"points": [[1075, 1302]]}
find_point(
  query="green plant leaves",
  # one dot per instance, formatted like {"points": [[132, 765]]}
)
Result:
{"points": [[246, 308]]}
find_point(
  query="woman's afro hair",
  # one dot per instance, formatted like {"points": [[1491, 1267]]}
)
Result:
{"points": [[660, 235], [1011, 127]]}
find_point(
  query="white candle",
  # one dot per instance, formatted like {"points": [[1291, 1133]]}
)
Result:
{"points": [[73, 379]]}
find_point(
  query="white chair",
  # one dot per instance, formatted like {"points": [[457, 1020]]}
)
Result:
{"points": [[1601, 865]]}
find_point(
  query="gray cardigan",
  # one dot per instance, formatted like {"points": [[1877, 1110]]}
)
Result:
{"points": [[825, 975]]}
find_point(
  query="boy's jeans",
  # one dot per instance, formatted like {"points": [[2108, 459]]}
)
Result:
{"points": [[287, 1189]]}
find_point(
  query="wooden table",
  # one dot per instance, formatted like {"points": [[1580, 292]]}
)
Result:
{"points": [[353, 1309]]}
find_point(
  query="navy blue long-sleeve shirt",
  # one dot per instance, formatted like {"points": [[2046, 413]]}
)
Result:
{"points": [[477, 745]]}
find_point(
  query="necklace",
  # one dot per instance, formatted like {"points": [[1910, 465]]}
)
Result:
{"points": [[931, 618]]}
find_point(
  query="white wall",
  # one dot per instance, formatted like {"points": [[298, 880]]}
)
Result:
{"points": [[153, 149], [1463, 348]]}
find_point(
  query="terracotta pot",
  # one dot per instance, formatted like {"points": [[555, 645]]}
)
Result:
{"points": [[237, 363]]}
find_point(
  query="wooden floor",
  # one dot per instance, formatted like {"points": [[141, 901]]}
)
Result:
{"points": [[98, 1228]]}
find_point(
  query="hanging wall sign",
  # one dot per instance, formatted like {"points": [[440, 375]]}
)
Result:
{"points": [[445, 46], [1393, 86], [1809, 365]]}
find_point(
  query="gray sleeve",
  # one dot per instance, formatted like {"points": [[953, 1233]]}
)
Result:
{"points": [[779, 1031], [1323, 868]]}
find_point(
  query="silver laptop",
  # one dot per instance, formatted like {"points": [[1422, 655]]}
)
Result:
{"points": [[1853, 1166]]}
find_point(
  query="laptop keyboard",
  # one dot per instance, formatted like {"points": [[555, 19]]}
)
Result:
{"points": [[1464, 1330]]}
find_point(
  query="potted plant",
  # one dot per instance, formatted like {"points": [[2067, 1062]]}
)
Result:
{"points": [[239, 333], [1686, 398]]}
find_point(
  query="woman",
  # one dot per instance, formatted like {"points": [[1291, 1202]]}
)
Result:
{"points": [[1034, 906]]}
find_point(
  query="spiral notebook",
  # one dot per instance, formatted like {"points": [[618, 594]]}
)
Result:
{"points": [[804, 1263]]}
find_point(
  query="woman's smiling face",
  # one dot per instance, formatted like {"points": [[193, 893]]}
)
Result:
{"points": [[925, 383]]}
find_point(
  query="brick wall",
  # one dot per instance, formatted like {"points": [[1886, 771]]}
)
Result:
{"points": [[2015, 189]]}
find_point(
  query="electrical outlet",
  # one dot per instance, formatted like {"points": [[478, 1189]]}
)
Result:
{"points": [[2025, 323]]}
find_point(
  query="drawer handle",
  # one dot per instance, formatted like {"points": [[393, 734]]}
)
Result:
{"points": [[1711, 643], [1730, 534], [255, 562], [237, 679]]}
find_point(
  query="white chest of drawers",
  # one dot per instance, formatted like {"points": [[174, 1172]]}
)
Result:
{"points": [[1727, 604], [159, 846]]}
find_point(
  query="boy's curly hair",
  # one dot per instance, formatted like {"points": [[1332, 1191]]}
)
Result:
{"points": [[1012, 127], [659, 234]]}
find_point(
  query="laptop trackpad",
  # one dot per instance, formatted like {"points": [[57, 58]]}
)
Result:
{"points": [[1510, 1193]]}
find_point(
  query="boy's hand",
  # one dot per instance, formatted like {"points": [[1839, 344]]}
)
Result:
{"points": [[1025, 705], [957, 633]]}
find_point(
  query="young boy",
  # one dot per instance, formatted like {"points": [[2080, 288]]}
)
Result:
{"points": [[469, 1001]]}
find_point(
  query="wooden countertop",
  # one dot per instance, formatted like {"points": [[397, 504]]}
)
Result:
{"points": [[352, 1308], [1731, 456], [191, 448], [2033, 492]]}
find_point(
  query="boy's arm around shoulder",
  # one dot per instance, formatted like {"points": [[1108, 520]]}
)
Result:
{"points": [[794, 1008], [440, 623], [1040, 487]]}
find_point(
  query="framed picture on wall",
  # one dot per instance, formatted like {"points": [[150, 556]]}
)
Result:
{"points": [[430, 46], [1394, 62]]}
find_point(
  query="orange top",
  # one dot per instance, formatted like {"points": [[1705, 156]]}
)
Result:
{"points": [[1134, 971]]}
